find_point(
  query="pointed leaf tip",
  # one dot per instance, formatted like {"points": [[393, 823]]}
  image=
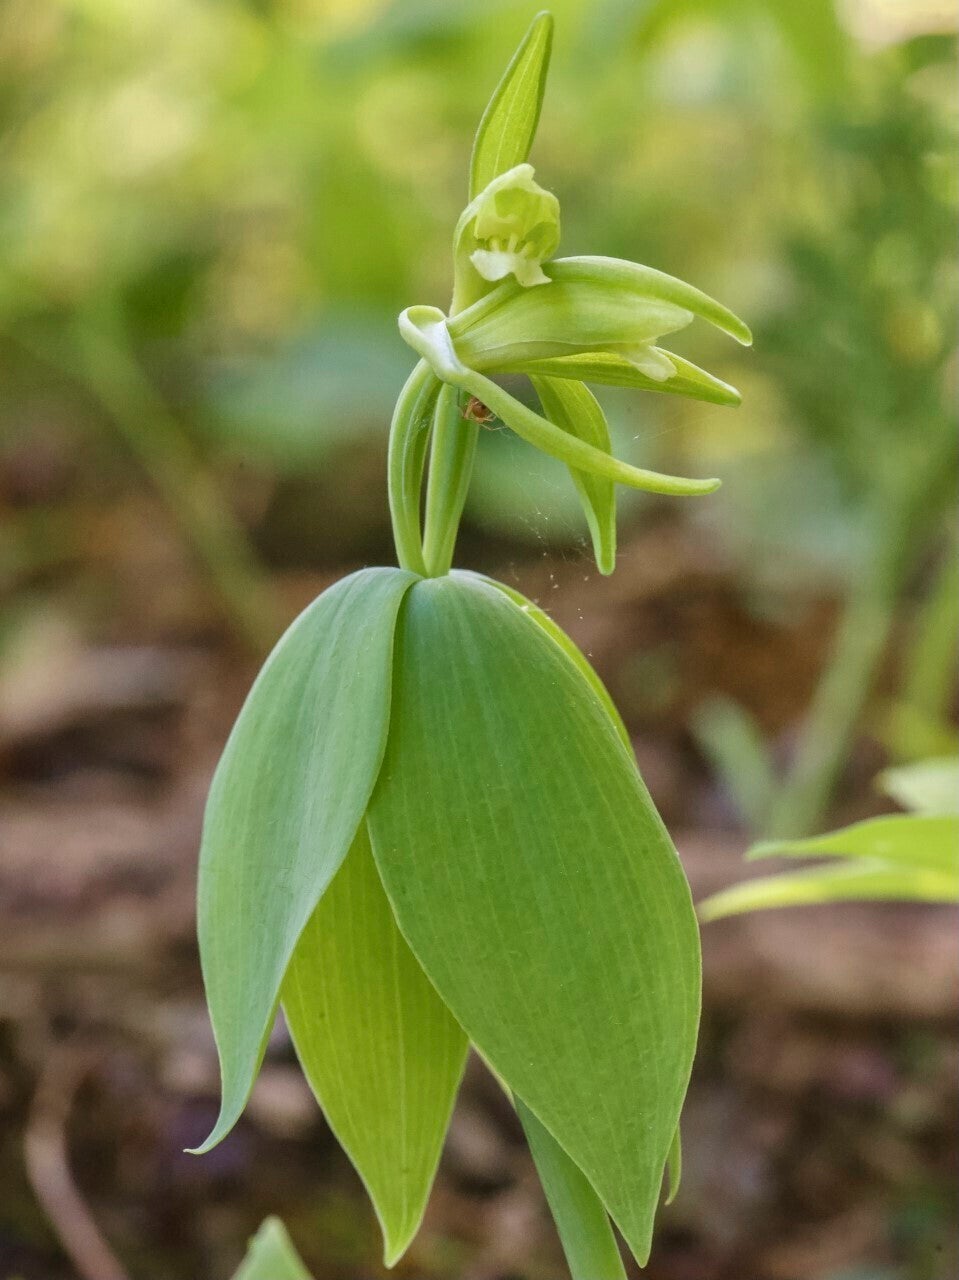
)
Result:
{"points": [[284, 805], [379, 1048]]}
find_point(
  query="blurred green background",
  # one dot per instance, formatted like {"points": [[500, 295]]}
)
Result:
{"points": [[211, 212]]}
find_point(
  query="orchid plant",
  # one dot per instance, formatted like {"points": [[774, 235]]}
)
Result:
{"points": [[427, 831]]}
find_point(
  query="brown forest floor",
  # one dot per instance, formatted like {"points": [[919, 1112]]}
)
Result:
{"points": [[820, 1133]]}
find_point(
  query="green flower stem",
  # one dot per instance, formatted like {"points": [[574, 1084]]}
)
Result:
{"points": [[581, 1220], [409, 436], [451, 466]]}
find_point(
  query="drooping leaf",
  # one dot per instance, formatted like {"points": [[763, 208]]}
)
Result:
{"points": [[570, 651], [928, 786], [581, 1220], [508, 125], [574, 408], [537, 886], [380, 1049], [285, 803], [904, 839], [271, 1256]]}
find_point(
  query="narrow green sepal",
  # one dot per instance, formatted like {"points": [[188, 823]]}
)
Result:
{"points": [[573, 407], [610, 369], [508, 125]]}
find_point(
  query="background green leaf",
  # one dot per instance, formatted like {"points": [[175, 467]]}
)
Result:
{"points": [[904, 839], [284, 806], [508, 125], [928, 786], [906, 856], [865, 880], [572, 406], [536, 884], [380, 1049], [271, 1256]]}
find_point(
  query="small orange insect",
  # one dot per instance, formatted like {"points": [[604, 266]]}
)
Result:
{"points": [[477, 411]]}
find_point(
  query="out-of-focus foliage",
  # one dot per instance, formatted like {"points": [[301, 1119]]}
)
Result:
{"points": [[271, 1256], [256, 189], [910, 856]]}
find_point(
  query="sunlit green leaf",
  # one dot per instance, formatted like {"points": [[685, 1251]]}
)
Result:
{"points": [[904, 839], [284, 806], [862, 880], [380, 1049], [537, 886], [581, 1220], [574, 408], [271, 1256], [928, 786], [508, 124]]}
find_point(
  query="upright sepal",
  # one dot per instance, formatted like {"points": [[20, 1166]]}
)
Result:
{"points": [[381, 1051], [537, 886], [508, 125], [285, 803]]}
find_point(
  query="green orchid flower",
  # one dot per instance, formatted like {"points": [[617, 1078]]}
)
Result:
{"points": [[511, 228], [427, 830]]}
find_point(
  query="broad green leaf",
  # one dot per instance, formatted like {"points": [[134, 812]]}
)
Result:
{"points": [[581, 1220], [904, 839], [575, 409], [508, 124], [271, 1256], [864, 879], [570, 651], [613, 370], [537, 886], [380, 1049], [928, 786], [285, 803]]}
